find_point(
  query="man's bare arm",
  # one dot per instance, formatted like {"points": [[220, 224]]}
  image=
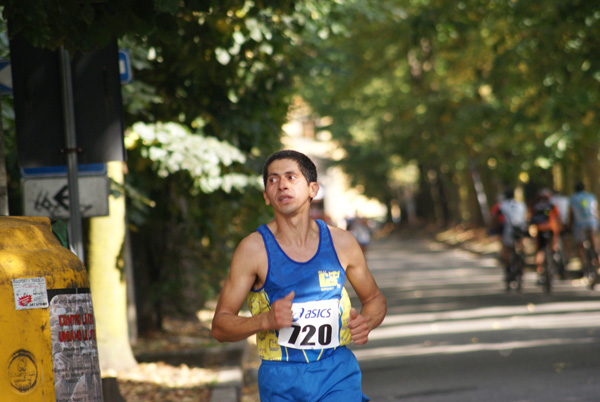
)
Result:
{"points": [[373, 310], [227, 324], [374, 305]]}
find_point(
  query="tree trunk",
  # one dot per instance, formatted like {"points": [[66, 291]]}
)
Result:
{"points": [[431, 180], [452, 197], [480, 194], [108, 281], [409, 212]]}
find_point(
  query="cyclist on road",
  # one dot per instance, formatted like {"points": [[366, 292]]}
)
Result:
{"points": [[583, 217], [291, 273], [546, 219], [511, 215]]}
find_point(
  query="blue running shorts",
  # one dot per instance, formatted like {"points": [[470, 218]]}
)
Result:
{"points": [[336, 378]]}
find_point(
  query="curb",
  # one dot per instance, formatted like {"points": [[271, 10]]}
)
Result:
{"points": [[230, 379], [229, 394], [229, 385], [225, 361]]}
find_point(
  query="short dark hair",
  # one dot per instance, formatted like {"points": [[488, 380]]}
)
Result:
{"points": [[579, 186], [509, 193], [307, 167]]}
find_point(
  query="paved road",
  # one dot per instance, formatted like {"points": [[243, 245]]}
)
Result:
{"points": [[453, 334]]}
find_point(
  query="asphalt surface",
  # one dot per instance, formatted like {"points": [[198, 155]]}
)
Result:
{"points": [[452, 332]]}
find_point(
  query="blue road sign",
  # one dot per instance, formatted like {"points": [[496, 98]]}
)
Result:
{"points": [[125, 66], [5, 78], [55, 171]]}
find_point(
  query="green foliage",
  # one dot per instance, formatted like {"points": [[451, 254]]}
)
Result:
{"points": [[507, 88], [224, 72], [52, 24], [173, 148], [203, 201], [228, 65]]}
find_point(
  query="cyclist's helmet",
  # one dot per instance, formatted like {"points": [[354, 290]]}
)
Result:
{"points": [[545, 194]]}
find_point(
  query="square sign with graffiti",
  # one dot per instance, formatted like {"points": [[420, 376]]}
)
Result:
{"points": [[46, 191]]}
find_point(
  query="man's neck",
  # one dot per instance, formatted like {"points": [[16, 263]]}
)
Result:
{"points": [[298, 238], [297, 230]]}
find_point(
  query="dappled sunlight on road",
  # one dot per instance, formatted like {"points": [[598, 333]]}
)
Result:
{"points": [[495, 311], [507, 318], [443, 301], [435, 329], [504, 348], [454, 333]]}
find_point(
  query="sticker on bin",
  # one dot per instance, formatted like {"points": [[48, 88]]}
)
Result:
{"points": [[30, 293]]}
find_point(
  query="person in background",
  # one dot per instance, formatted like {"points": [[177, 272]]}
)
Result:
{"points": [[546, 218], [583, 218], [359, 227], [512, 216]]}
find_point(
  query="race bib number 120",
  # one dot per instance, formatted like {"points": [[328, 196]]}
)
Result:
{"points": [[316, 326]]}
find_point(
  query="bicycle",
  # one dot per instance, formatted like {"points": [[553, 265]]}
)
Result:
{"points": [[590, 263], [516, 263]]}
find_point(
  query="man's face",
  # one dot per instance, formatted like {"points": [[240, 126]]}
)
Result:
{"points": [[287, 189]]}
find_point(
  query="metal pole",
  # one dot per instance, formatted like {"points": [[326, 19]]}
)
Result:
{"points": [[76, 237], [3, 173]]}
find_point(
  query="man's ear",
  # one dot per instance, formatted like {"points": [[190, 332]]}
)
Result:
{"points": [[267, 202], [313, 189]]}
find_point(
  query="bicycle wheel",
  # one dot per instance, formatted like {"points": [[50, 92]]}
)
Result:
{"points": [[548, 269], [509, 270], [519, 267], [562, 260], [514, 271], [591, 267]]}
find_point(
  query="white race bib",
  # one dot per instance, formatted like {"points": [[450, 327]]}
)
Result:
{"points": [[316, 325]]}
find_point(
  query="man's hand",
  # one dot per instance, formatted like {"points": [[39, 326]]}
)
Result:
{"points": [[359, 330], [280, 315]]}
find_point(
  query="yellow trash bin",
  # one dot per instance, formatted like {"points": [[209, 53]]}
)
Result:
{"points": [[48, 347]]}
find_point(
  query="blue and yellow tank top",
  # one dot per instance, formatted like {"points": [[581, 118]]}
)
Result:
{"points": [[321, 278]]}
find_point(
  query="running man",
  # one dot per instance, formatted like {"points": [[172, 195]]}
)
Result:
{"points": [[291, 272]]}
